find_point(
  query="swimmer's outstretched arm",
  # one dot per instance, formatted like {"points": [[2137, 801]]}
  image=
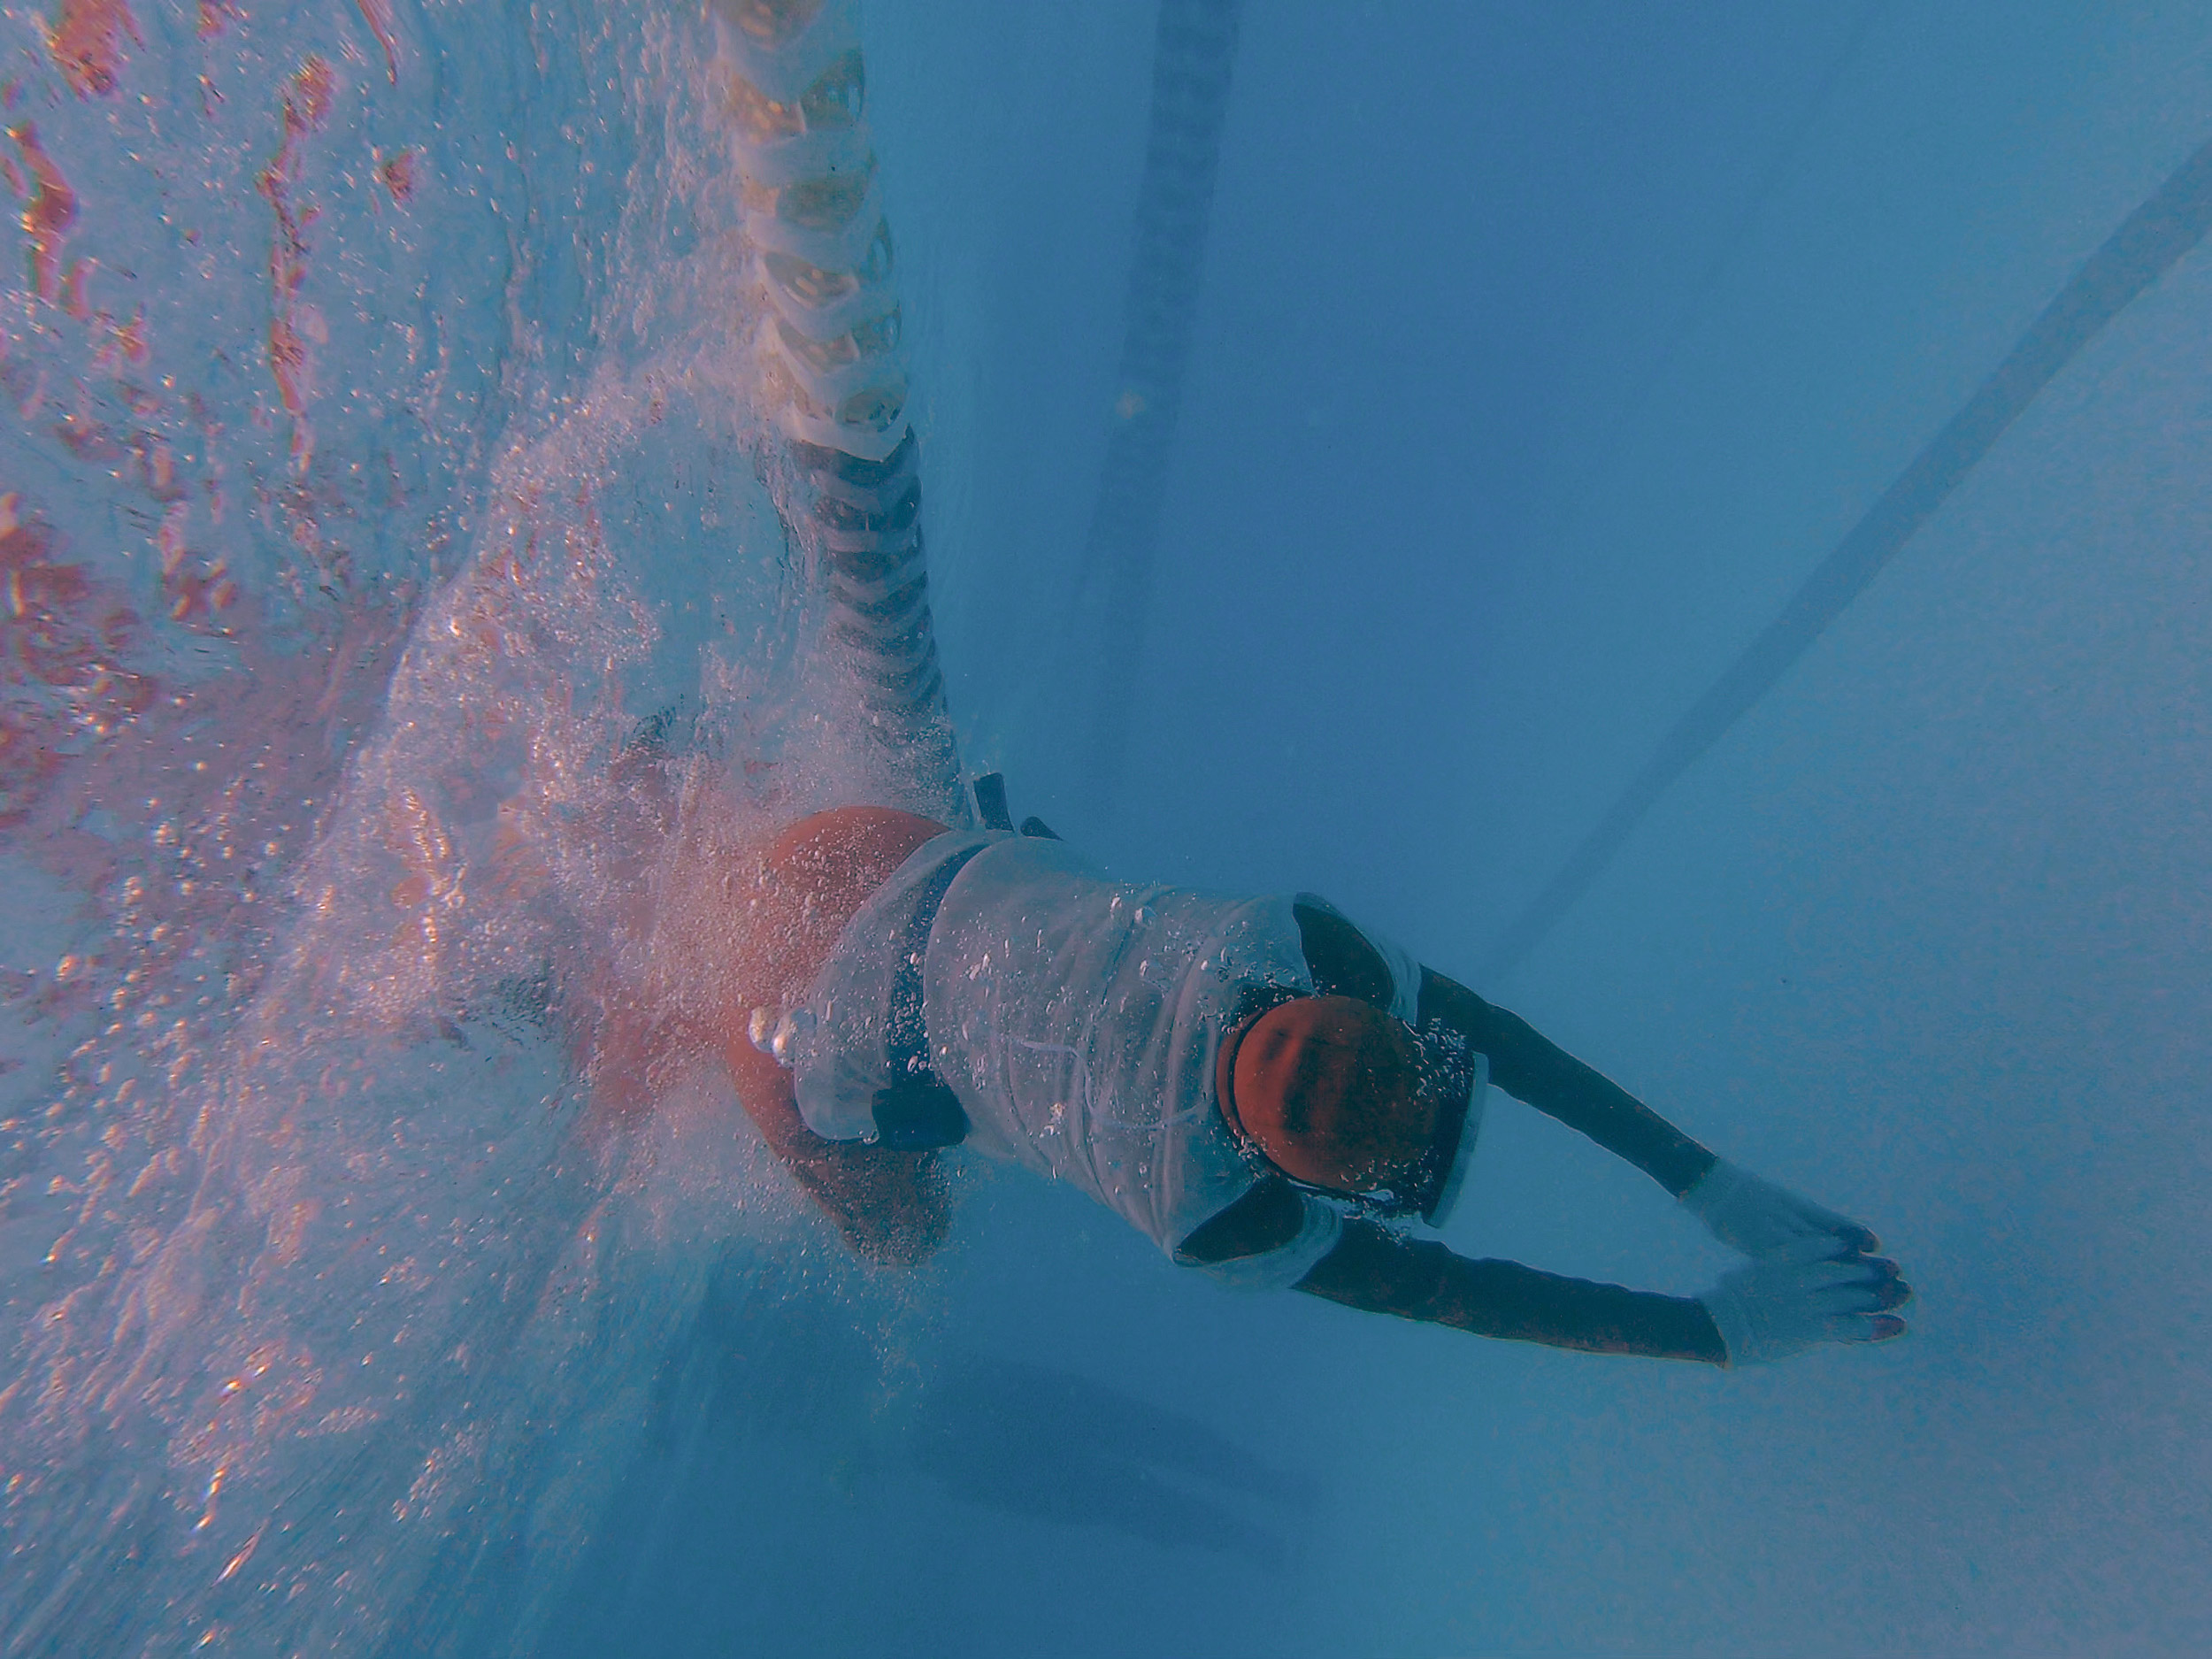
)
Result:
{"points": [[1740, 1209], [1768, 1311], [1534, 1069], [1811, 1278], [1775, 1307], [1379, 1271]]}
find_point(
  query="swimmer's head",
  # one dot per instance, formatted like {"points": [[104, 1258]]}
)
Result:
{"points": [[1338, 1094]]}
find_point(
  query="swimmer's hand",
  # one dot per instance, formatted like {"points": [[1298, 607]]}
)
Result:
{"points": [[1758, 1217], [1802, 1295]]}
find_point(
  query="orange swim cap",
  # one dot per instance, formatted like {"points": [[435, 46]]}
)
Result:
{"points": [[1329, 1090]]}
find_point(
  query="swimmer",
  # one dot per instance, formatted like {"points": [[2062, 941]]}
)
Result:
{"points": [[1269, 1092]]}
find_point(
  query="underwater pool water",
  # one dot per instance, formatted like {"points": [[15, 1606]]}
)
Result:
{"points": [[401, 634]]}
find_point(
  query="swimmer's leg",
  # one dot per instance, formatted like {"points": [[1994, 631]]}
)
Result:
{"points": [[890, 1206], [787, 913], [833, 376]]}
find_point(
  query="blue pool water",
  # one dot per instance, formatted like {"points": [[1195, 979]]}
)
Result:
{"points": [[400, 631]]}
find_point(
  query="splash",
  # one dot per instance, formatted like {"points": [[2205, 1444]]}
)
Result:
{"points": [[52, 210], [398, 652], [86, 43], [296, 327]]}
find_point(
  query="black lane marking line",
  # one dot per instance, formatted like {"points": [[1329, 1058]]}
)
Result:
{"points": [[2145, 246]]}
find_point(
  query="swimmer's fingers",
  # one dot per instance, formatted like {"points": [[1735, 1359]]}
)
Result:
{"points": [[1877, 1272], [1861, 1284], [1857, 1307], [1760, 1218], [1855, 1236], [1818, 1247], [1894, 1292], [1864, 1327], [1826, 1235], [1783, 1303], [1878, 1327]]}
